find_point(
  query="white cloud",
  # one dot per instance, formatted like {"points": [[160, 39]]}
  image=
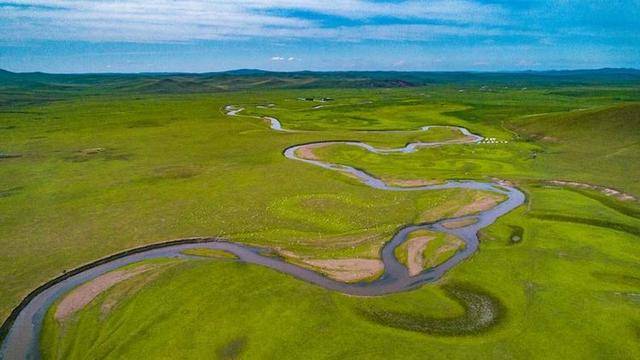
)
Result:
{"points": [[189, 20], [282, 58]]}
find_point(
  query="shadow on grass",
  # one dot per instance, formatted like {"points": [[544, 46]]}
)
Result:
{"points": [[586, 221], [482, 312], [612, 203]]}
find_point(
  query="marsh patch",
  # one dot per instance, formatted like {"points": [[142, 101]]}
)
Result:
{"points": [[482, 312], [517, 234], [233, 349]]}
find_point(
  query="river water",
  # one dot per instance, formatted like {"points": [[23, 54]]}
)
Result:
{"points": [[22, 341]]}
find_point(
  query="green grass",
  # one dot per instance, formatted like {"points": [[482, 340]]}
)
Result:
{"points": [[574, 279], [172, 167], [101, 174], [597, 146], [432, 254]]}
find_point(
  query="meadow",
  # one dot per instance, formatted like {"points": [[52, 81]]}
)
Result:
{"points": [[85, 176]]}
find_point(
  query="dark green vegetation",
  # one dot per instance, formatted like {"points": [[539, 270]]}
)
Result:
{"points": [[36, 87], [481, 312], [517, 234], [100, 171]]}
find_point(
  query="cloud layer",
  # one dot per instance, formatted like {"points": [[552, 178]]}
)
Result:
{"points": [[202, 35], [166, 20]]}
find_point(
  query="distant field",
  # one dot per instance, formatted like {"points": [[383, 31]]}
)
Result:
{"points": [[82, 177]]}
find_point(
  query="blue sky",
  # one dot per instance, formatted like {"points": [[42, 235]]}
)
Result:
{"points": [[213, 35]]}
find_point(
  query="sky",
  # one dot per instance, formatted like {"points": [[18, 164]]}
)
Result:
{"points": [[76, 36]]}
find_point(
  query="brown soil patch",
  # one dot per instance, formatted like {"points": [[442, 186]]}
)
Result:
{"points": [[415, 248], [114, 297], [306, 152], [410, 183], [455, 224], [84, 294], [465, 202], [479, 205], [348, 270]]}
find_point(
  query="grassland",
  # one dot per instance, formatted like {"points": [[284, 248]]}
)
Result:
{"points": [[99, 175], [426, 249], [96, 175], [563, 278]]}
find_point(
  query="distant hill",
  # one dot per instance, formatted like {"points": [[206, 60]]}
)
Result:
{"points": [[602, 142], [244, 79]]}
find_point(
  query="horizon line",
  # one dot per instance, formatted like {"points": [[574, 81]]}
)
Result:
{"points": [[257, 70]]}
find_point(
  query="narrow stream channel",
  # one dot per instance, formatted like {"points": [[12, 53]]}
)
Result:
{"points": [[23, 338]]}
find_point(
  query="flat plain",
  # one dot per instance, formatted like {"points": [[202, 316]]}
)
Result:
{"points": [[84, 176]]}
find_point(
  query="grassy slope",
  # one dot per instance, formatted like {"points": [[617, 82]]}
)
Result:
{"points": [[598, 146], [579, 281]]}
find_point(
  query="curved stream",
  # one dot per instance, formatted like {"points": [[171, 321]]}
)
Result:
{"points": [[22, 340]]}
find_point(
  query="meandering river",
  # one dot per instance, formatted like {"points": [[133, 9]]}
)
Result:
{"points": [[25, 325]]}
